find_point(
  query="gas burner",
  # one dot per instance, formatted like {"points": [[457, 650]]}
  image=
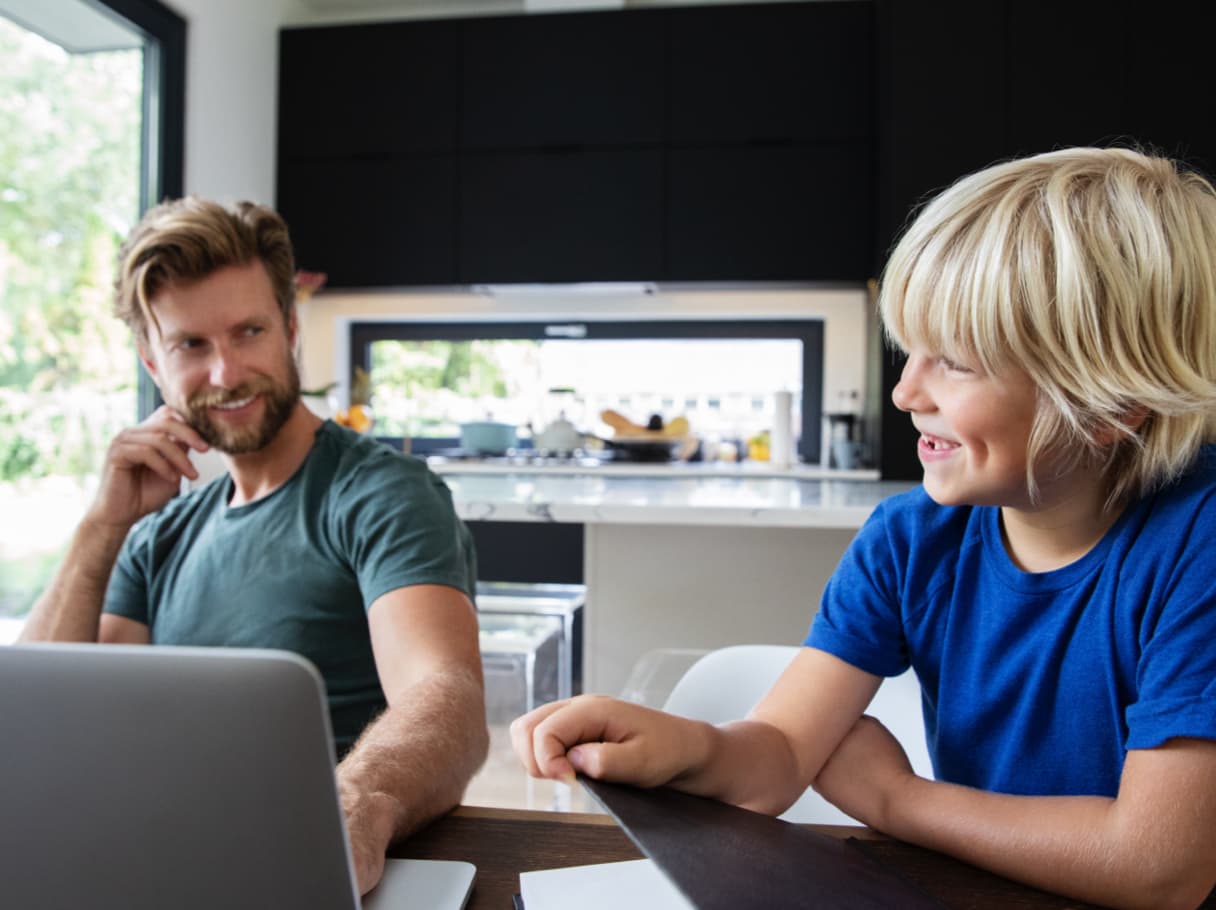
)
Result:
{"points": [[533, 458]]}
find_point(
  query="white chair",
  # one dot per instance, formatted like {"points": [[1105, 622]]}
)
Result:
{"points": [[726, 684]]}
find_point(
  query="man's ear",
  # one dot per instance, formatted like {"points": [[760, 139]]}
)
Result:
{"points": [[146, 359]]}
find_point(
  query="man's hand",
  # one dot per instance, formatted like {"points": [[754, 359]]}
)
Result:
{"points": [[144, 468], [607, 739], [866, 773], [414, 761], [370, 827]]}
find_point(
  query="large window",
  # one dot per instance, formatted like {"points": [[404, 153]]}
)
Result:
{"points": [[90, 133], [423, 380]]}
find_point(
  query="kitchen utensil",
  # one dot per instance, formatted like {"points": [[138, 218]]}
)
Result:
{"points": [[655, 447], [560, 437], [488, 437]]}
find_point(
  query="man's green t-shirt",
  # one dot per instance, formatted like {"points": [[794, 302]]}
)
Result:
{"points": [[298, 569]]}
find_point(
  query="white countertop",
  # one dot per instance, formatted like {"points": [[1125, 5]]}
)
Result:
{"points": [[673, 497], [659, 469]]}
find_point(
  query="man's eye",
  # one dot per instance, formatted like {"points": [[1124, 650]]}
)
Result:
{"points": [[188, 344]]}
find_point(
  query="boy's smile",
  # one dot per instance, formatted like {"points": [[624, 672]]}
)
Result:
{"points": [[974, 428]]}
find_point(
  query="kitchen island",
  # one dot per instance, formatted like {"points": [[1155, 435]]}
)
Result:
{"points": [[683, 558]]}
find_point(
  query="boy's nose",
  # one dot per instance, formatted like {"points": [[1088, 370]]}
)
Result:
{"points": [[909, 393]]}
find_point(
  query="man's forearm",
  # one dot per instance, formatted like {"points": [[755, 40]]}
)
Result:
{"points": [[70, 607], [413, 763]]}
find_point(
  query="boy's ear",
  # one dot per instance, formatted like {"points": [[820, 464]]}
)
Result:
{"points": [[1133, 419]]}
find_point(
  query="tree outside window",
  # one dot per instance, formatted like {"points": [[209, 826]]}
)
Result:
{"points": [[70, 136]]}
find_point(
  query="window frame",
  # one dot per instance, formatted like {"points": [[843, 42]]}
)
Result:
{"points": [[162, 149], [363, 333]]}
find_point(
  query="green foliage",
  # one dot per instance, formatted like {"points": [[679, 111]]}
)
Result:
{"points": [[414, 368], [430, 375], [69, 193]]}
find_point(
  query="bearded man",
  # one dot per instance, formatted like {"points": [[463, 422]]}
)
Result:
{"points": [[317, 540]]}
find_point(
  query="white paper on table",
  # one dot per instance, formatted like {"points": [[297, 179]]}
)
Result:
{"points": [[601, 886]]}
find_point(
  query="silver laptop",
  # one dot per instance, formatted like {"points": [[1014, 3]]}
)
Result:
{"points": [[143, 778]]}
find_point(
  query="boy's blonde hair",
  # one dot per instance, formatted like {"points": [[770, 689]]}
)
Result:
{"points": [[185, 240], [1094, 270]]}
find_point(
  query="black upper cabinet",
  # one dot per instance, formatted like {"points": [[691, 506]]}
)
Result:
{"points": [[771, 72], [748, 213], [941, 101], [715, 143], [1066, 85], [1170, 83], [373, 223], [369, 91], [589, 79], [561, 215]]}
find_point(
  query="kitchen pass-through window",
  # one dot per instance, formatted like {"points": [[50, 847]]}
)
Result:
{"points": [[424, 380]]}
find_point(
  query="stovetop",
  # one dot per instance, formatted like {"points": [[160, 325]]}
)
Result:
{"points": [[530, 457]]}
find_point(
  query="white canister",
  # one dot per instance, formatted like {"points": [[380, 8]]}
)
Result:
{"points": [[781, 440]]}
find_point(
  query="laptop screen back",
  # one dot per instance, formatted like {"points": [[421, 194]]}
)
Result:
{"points": [[143, 778]]}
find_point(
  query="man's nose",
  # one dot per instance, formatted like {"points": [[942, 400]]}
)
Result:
{"points": [[226, 371], [909, 393]]}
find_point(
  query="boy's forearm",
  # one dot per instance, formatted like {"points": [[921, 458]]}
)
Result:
{"points": [[70, 607], [1072, 845], [738, 763]]}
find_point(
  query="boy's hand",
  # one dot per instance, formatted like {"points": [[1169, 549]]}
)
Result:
{"points": [[607, 739], [866, 773]]}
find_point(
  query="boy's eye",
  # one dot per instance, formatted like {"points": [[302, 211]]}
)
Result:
{"points": [[954, 366]]}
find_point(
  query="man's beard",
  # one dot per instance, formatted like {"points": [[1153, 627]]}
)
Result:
{"points": [[279, 400]]}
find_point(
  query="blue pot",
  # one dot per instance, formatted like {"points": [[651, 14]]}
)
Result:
{"points": [[487, 437]]}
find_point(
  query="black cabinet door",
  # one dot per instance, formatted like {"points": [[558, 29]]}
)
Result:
{"points": [[574, 215], [564, 80], [942, 113], [770, 213], [369, 90], [1170, 84], [800, 72], [373, 223], [941, 101], [1066, 84]]}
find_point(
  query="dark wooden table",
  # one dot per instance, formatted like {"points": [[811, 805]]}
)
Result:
{"points": [[505, 842]]}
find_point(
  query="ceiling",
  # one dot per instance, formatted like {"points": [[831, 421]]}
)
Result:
{"points": [[78, 26], [476, 7]]}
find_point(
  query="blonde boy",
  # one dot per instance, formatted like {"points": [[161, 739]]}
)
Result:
{"points": [[1050, 582]]}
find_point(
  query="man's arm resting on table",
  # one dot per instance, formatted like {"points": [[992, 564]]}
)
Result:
{"points": [[413, 763], [70, 607], [1154, 846]]}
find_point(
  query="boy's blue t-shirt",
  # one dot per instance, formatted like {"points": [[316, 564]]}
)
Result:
{"points": [[1038, 684]]}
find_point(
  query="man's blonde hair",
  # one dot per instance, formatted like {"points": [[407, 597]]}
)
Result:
{"points": [[1094, 270], [185, 240]]}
